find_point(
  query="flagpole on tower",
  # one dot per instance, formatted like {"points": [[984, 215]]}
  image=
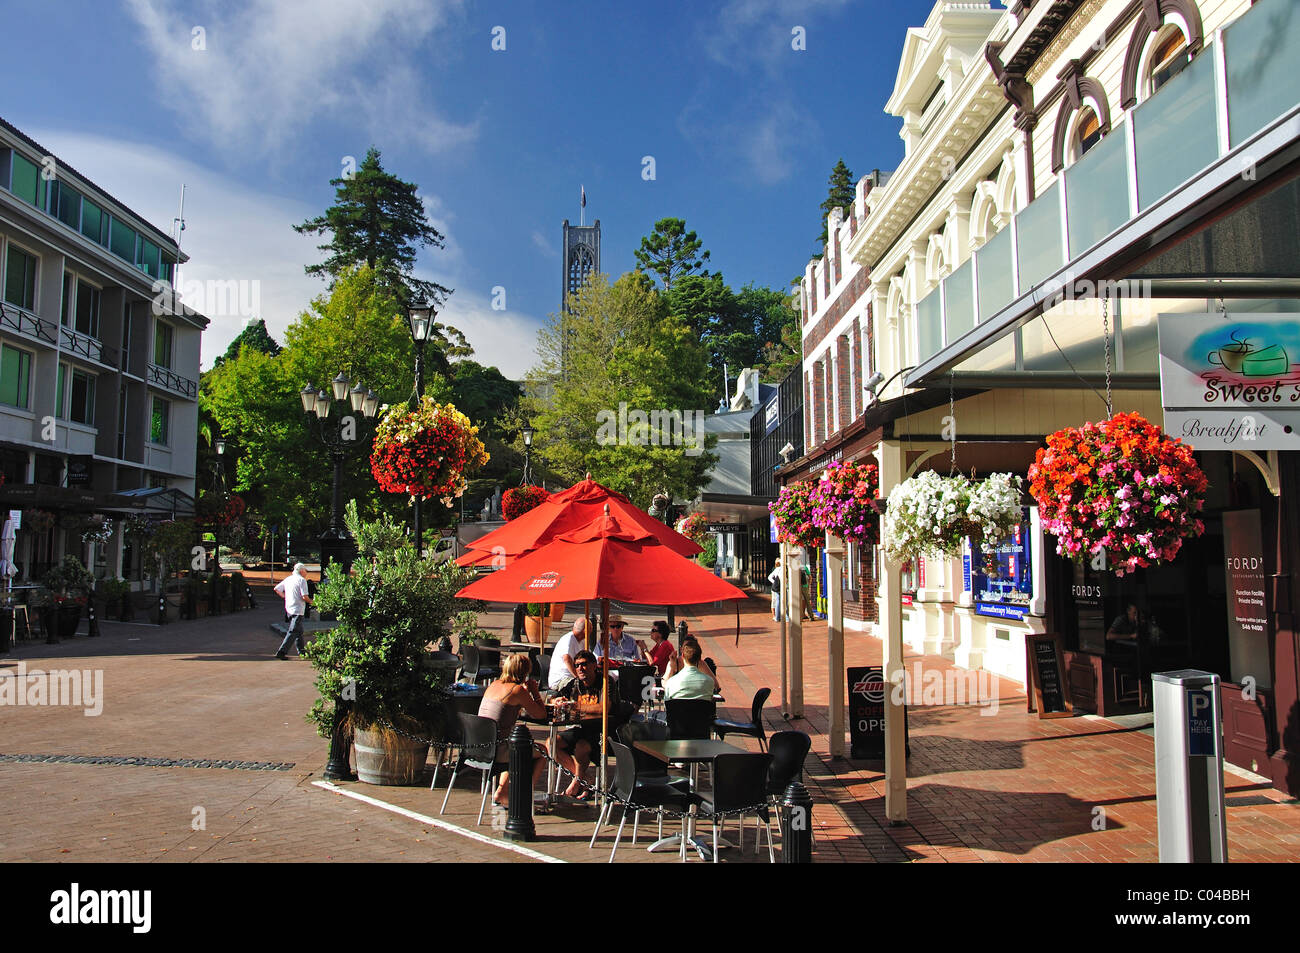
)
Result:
{"points": [[582, 208]]}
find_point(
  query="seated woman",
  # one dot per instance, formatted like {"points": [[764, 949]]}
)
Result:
{"points": [[504, 699], [661, 656]]}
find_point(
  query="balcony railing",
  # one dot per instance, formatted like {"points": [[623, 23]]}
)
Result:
{"points": [[83, 345], [1236, 87], [24, 322], [169, 380]]}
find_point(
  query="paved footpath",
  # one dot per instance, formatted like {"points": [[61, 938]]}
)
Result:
{"points": [[190, 691]]}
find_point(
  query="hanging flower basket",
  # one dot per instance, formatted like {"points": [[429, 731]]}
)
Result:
{"points": [[518, 500], [38, 521], [927, 513], [96, 528], [994, 506], [1121, 486], [793, 510], [426, 452], [694, 527], [213, 510], [844, 502]]}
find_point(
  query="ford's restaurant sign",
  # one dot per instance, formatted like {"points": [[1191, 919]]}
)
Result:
{"points": [[1231, 382]]}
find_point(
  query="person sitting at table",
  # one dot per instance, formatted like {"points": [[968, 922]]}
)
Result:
{"points": [[708, 668], [564, 653], [574, 747], [1126, 626], [692, 681], [663, 654], [513, 692], [621, 647]]}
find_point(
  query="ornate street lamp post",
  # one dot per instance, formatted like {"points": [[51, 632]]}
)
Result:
{"points": [[338, 437], [527, 431], [220, 487], [420, 323]]}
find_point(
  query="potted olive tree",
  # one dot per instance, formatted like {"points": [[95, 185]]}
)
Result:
{"points": [[376, 668], [71, 584], [537, 621]]}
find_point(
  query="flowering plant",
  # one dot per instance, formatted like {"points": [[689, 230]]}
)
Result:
{"points": [[694, 527], [793, 509], [426, 452], [1121, 486], [927, 513], [994, 506], [96, 528], [843, 502], [215, 511], [518, 500]]}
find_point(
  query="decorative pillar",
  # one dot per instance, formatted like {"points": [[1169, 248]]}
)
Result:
{"points": [[890, 457], [796, 636], [835, 642], [785, 627]]}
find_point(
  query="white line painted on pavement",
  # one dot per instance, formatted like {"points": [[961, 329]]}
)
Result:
{"points": [[441, 825]]}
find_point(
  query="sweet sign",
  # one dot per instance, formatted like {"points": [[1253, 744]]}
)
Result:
{"points": [[1231, 382]]}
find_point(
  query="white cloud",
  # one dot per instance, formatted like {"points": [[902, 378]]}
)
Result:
{"points": [[545, 245], [758, 135], [237, 233], [750, 32], [268, 68]]}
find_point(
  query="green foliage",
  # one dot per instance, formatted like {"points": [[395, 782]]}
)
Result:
{"points": [[256, 337], [537, 609], [69, 577], [391, 608], [111, 589], [618, 345], [467, 628], [373, 536], [671, 252], [782, 348], [840, 194], [709, 557], [171, 544]]}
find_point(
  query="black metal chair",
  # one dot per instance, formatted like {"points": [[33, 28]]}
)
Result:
{"points": [[739, 781], [471, 666], [690, 718], [753, 728], [633, 680], [649, 769], [478, 751], [636, 793], [789, 749]]}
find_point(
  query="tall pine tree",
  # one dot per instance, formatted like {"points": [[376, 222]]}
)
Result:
{"points": [[840, 195], [670, 252]]}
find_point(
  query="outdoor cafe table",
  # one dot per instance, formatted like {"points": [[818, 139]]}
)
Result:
{"points": [[693, 753]]}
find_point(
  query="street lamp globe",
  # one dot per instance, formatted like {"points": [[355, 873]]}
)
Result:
{"points": [[421, 321], [340, 386], [323, 404], [308, 395], [358, 396], [527, 431], [370, 406], [221, 447]]}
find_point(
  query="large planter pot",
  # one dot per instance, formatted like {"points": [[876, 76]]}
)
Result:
{"points": [[557, 611], [69, 619], [49, 623], [536, 628], [391, 759]]}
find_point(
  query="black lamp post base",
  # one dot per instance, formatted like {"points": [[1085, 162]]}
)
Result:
{"points": [[337, 547]]}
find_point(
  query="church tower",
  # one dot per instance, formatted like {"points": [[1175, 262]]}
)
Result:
{"points": [[581, 258]]}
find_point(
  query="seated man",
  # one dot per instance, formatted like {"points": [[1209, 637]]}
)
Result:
{"points": [[564, 653], [621, 647], [574, 748], [692, 681]]}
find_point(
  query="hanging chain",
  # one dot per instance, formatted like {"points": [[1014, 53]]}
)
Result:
{"points": [[1105, 333]]}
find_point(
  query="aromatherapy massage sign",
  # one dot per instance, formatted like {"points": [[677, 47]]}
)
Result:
{"points": [[1231, 382]]}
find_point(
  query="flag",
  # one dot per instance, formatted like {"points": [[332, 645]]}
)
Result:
{"points": [[584, 196]]}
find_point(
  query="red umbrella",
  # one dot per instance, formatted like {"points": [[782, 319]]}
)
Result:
{"points": [[569, 510], [610, 557]]}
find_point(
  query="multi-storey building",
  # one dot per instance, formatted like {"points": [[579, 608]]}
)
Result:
{"points": [[99, 364], [1087, 186]]}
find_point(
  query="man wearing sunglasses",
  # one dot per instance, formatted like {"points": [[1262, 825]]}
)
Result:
{"points": [[574, 749], [621, 647]]}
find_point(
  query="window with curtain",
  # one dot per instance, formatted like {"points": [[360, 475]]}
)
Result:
{"points": [[20, 278], [160, 418], [26, 181], [15, 376], [1169, 59]]}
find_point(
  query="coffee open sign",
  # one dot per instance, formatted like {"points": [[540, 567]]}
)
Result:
{"points": [[867, 693]]}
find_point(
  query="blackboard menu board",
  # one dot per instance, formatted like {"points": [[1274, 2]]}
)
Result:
{"points": [[1049, 694], [867, 688]]}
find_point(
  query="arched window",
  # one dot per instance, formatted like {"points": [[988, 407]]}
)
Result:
{"points": [[1087, 133], [1169, 56]]}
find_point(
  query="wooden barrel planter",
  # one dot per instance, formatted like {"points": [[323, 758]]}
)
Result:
{"points": [[386, 758]]}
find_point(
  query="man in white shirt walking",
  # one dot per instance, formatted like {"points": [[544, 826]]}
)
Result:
{"points": [[295, 590]]}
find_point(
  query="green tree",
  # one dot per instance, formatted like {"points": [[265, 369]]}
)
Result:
{"points": [[670, 252], [378, 220], [622, 347], [840, 194], [255, 336]]}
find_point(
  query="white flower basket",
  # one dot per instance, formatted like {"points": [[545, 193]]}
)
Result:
{"points": [[929, 513]]}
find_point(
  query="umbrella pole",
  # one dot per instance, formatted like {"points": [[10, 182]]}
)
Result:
{"points": [[586, 623], [604, 685]]}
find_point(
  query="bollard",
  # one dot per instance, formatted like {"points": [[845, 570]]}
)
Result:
{"points": [[93, 628], [248, 593], [519, 823], [339, 767], [517, 628], [162, 608], [796, 825]]}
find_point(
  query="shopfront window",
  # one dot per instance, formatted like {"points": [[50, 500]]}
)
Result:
{"points": [[1002, 582]]}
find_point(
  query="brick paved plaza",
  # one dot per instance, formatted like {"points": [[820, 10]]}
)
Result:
{"points": [[1005, 787]]}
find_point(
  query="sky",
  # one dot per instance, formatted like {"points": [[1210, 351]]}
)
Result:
{"points": [[255, 105]]}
